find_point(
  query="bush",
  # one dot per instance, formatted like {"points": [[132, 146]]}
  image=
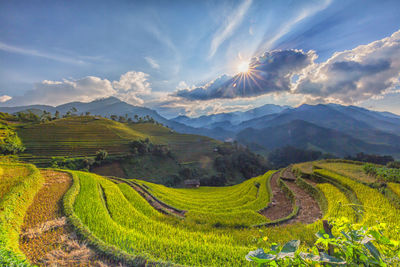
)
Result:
{"points": [[72, 163], [393, 164], [101, 154], [341, 243], [11, 144]]}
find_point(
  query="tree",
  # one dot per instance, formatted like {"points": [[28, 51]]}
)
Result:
{"points": [[114, 117], [122, 119], [87, 113], [57, 114], [101, 154]]}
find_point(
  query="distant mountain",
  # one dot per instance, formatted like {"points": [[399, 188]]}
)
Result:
{"points": [[106, 107], [341, 129], [305, 135], [369, 126], [229, 119]]}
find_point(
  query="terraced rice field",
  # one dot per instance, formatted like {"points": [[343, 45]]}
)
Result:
{"points": [[85, 135], [139, 223], [235, 206], [80, 136]]}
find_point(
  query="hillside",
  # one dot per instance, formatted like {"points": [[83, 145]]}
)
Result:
{"points": [[133, 222], [371, 130], [169, 158], [305, 135]]}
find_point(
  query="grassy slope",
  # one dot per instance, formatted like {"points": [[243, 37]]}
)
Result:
{"points": [[15, 200], [78, 136], [236, 205], [84, 135]]}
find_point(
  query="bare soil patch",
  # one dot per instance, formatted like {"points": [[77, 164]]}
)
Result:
{"points": [[280, 205], [110, 169], [46, 239], [288, 175], [309, 210]]}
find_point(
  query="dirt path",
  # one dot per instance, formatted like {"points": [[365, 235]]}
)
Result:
{"points": [[280, 205], [309, 210], [46, 239], [158, 205], [288, 174]]}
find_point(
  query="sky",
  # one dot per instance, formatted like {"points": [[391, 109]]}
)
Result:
{"points": [[201, 57]]}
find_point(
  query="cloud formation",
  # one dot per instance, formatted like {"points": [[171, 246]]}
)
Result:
{"points": [[348, 77], [152, 62], [271, 72], [4, 98], [32, 52], [226, 30], [129, 88], [355, 75]]}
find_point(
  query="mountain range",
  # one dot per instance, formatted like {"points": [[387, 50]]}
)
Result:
{"points": [[331, 128]]}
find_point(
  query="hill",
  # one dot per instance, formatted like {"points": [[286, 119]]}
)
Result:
{"points": [[375, 129], [305, 135], [169, 157], [133, 222]]}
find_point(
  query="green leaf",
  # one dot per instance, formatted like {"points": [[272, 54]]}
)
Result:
{"points": [[259, 256], [274, 247], [309, 256], [330, 259], [291, 246], [373, 250]]}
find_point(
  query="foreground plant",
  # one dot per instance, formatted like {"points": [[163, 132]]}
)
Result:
{"points": [[339, 243]]}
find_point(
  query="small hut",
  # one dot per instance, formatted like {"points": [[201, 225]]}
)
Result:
{"points": [[192, 183]]}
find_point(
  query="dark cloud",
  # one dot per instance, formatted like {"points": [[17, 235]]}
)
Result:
{"points": [[271, 72], [348, 77]]}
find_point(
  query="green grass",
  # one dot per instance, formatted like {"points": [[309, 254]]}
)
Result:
{"points": [[376, 207], [395, 187], [84, 135], [77, 136], [223, 206], [19, 184], [353, 171], [119, 223], [338, 203]]}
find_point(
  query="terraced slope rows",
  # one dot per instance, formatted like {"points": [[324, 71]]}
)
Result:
{"points": [[78, 136], [235, 206], [129, 223], [375, 206], [18, 185], [121, 224]]}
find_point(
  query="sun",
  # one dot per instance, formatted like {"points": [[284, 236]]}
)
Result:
{"points": [[243, 67]]}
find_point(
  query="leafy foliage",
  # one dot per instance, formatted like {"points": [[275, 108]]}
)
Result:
{"points": [[101, 154], [10, 143], [383, 173], [350, 245]]}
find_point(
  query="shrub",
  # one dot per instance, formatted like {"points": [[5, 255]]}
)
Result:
{"points": [[101, 154], [11, 144], [347, 244], [393, 164]]}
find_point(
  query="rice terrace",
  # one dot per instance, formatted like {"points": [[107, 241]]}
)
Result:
{"points": [[200, 133]]}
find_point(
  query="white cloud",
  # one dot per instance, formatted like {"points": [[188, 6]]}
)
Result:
{"points": [[152, 62], [130, 87], [351, 76], [5, 98], [32, 52], [226, 30]]}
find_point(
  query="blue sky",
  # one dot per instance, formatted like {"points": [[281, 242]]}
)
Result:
{"points": [[157, 53]]}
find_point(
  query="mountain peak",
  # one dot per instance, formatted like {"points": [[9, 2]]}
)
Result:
{"points": [[109, 100]]}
